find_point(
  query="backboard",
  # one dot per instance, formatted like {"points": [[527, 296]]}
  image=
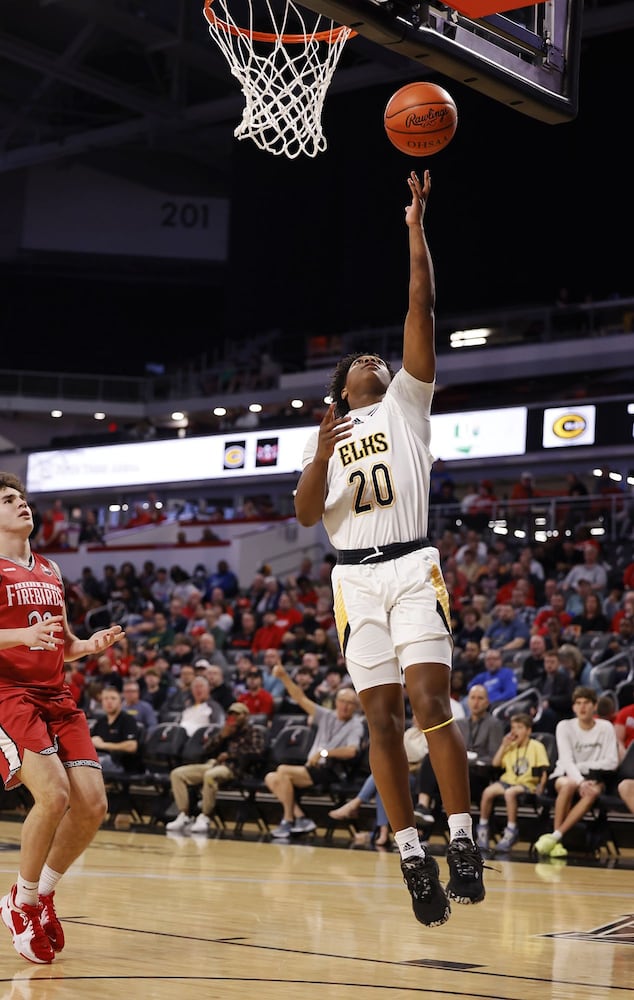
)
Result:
{"points": [[526, 58]]}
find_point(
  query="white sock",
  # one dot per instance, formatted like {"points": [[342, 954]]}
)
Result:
{"points": [[460, 825], [48, 881], [408, 843], [557, 836], [26, 892], [483, 824]]}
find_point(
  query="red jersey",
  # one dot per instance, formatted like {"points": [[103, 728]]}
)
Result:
{"points": [[28, 595]]}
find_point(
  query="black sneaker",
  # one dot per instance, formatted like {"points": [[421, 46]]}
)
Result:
{"points": [[465, 862], [429, 901]]}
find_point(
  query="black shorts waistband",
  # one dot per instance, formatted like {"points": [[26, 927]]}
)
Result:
{"points": [[380, 553]]}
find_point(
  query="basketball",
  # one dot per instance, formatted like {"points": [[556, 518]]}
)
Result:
{"points": [[420, 119]]}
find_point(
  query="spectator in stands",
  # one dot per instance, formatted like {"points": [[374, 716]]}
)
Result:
{"points": [[525, 765], [183, 585], [506, 632], [591, 569], [90, 532], [116, 736], [627, 611], [554, 633], [585, 745], [472, 540], [268, 635], [153, 691], [555, 608], [518, 575], [227, 749], [295, 644], [334, 679], [242, 635], [180, 695], [533, 665], [304, 680], [556, 688], [467, 661], [199, 709], [289, 613], [320, 615], [573, 660], [338, 737], [106, 675], [326, 648], [243, 664], [161, 634], [620, 641], [468, 567], [54, 523], [225, 578], [520, 602], [220, 691], [258, 700], [140, 710], [491, 577], [161, 589], [592, 618], [499, 681], [175, 617], [480, 507], [205, 647], [270, 597], [469, 629], [624, 728]]}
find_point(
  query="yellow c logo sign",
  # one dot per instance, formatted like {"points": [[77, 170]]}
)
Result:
{"points": [[570, 425], [234, 457]]}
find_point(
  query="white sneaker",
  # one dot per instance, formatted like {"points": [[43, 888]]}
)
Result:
{"points": [[201, 824], [182, 822]]}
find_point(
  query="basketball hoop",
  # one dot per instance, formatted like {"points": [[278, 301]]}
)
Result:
{"points": [[284, 74]]}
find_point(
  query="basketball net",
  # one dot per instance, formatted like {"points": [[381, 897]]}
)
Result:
{"points": [[284, 72]]}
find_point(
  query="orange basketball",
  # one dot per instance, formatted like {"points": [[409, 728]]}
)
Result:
{"points": [[420, 119]]}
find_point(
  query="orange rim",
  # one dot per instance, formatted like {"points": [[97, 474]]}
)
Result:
{"points": [[330, 36]]}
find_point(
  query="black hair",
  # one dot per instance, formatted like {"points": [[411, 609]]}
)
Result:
{"points": [[339, 376]]}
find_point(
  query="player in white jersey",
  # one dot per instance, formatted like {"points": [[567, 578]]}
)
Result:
{"points": [[366, 472]]}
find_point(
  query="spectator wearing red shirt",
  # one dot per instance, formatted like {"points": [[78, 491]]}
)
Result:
{"points": [[287, 614], [269, 635], [256, 698], [557, 609], [624, 725], [627, 611]]}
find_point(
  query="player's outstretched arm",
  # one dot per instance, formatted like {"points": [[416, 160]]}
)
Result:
{"points": [[419, 354]]}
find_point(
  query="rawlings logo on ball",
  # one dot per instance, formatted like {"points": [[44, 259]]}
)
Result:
{"points": [[420, 119], [434, 116]]}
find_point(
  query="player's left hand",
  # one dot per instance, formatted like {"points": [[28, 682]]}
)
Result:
{"points": [[104, 638]]}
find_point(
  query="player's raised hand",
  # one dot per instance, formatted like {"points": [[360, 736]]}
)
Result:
{"points": [[332, 430]]}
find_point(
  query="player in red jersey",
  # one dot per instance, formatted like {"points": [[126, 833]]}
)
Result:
{"points": [[45, 742]]}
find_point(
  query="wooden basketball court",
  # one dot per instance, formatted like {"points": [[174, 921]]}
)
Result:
{"points": [[160, 916]]}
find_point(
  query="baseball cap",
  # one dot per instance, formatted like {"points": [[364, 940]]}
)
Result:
{"points": [[237, 708]]}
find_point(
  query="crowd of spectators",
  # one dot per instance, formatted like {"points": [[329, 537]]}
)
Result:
{"points": [[543, 618]]}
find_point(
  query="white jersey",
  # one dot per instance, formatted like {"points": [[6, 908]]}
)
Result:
{"points": [[583, 750], [378, 479]]}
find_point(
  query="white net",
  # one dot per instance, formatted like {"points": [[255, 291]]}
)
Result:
{"points": [[283, 71]]}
